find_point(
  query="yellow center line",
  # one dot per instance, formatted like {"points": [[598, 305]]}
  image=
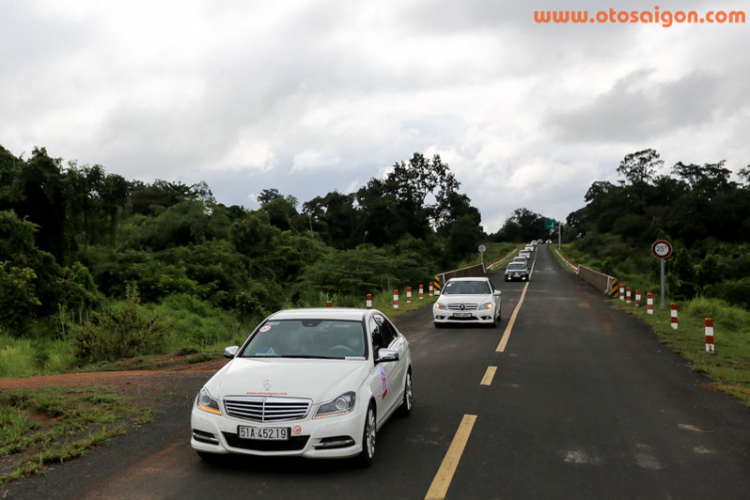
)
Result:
{"points": [[488, 375], [441, 482], [506, 335]]}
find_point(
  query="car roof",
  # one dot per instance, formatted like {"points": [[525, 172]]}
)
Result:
{"points": [[341, 313]]}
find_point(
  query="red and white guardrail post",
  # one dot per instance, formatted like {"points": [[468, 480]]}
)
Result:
{"points": [[622, 291], [637, 297], [329, 303], [421, 292], [674, 316], [408, 295], [650, 303], [709, 335], [432, 289], [395, 299], [627, 296], [369, 301]]}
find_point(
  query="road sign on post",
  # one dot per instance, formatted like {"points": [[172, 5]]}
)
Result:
{"points": [[482, 249], [662, 249], [550, 223]]}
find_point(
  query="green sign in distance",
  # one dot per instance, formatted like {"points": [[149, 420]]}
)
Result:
{"points": [[550, 223]]}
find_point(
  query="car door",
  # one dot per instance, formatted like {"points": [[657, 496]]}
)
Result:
{"points": [[395, 370]]}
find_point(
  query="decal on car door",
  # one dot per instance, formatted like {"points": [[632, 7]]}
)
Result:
{"points": [[383, 380]]}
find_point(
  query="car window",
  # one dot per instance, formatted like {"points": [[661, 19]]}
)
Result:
{"points": [[467, 287], [376, 332], [516, 265], [300, 338], [387, 331]]}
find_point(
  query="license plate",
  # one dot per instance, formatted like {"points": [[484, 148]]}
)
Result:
{"points": [[263, 433], [462, 315]]}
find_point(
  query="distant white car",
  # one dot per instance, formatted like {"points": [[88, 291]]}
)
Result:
{"points": [[316, 383], [468, 301]]}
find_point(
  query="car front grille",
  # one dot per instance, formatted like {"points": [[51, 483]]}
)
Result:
{"points": [[463, 307], [267, 409]]}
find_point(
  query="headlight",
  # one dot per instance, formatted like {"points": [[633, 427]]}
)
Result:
{"points": [[207, 402], [438, 305], [487, 305], [338, 406]]}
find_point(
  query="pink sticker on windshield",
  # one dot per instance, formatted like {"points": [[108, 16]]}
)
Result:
{"points": [[265, 328]]}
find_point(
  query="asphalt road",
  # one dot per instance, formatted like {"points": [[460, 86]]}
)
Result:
{"points": [[584, 403]]}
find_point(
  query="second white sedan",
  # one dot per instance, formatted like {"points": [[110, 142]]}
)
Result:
{"points": [[466, 301], [316, 383]]}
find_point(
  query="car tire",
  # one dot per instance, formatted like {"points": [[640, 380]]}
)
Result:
{"points": [[369, 434], [405, 409], [438, 325]]}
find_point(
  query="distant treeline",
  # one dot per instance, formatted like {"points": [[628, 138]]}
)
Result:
{"points": [[74, 237], [698, 208]]}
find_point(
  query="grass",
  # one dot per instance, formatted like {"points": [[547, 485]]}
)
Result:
{"points": [[50, 425], [729, 365]]}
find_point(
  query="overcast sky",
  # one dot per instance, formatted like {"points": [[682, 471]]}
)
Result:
{"points": [[312, 96]]}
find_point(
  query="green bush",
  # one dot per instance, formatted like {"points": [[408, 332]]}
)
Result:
{"points": [[124, 331]]}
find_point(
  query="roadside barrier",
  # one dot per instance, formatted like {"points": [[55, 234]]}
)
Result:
{"points": [[627, 296], [650, 303], [709, 335], [622, 291], [432, 289], [395, 299], [369, 301], [674, 316], [567, 262], [637, 297], [329, 303], [499, 261], [408, 295], [421, 292]]}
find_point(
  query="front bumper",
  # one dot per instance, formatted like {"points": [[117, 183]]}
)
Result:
{"points": [[516, 277], [486, 316], [330, 437]]}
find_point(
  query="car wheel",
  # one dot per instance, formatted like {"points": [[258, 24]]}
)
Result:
{"points": [[438, 325], [367, 457], [405, 408]]}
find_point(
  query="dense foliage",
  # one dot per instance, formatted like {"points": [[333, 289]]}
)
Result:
{"points": [[83, 250], [698, 208]]}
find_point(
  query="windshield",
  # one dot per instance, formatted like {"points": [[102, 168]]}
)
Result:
{"points": [[516, 266], [467, 287], [329, 339]]}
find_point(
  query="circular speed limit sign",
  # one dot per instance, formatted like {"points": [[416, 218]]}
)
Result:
{"points": [[661, 249]]}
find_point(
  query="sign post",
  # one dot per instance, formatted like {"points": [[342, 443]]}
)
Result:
{"points": [[662, 249], [482, 249]]}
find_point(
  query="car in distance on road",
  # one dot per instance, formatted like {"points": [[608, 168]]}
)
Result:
{"points": [[525, 253], [517, 271], [316, 383], [520, 260], [467, 300]]}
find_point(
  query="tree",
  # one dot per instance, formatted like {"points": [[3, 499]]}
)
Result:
{"points": [[639, 168]]}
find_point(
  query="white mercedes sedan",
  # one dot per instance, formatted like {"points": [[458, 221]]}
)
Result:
{"points": [[316, 383], [466, 301]]}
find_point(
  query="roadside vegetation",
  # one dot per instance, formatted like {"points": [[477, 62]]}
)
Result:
{"points": [[48, 426]]}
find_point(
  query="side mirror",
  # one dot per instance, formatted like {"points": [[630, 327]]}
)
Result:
{"points": [[497, 293], [231, 352], [386, 355]]}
